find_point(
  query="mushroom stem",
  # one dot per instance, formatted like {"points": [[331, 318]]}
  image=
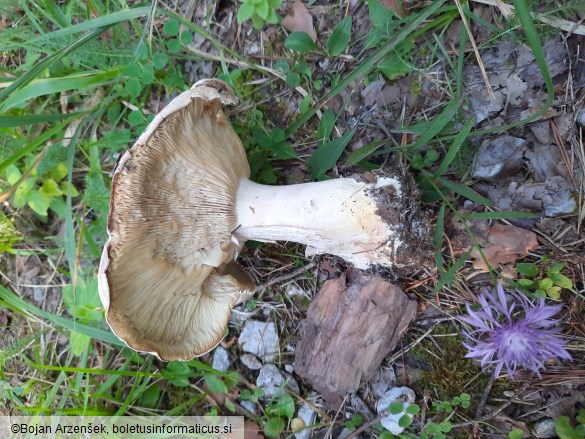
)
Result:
{"points": [[360, 221]]}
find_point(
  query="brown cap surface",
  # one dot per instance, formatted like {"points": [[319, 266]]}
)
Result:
{"points": [[163, 278]]}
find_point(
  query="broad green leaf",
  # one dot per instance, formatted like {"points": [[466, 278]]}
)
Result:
{"points": [[215, 385], [561, 280], [528, 270], [325, 157], [284, 407], [262, 10], [133, 87], [404, 421], [396, 408], [160, 60], [150, 396], [186, 37], [50, 188], [299, 41], [245, 12], [79, 343], [339, 38], [147, 74], [379, 14], [133, 71], [171, 27], [59, 172], [394, 67], [39, 202], [13, 174], [174, 45], [273, 427]]}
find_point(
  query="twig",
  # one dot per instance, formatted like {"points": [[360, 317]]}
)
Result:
{"points": [[285, 277]]}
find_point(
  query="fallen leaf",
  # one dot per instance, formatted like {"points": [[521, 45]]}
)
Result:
{"points": [[505, 244], [352, 324], [299, 19], [396, 6]]}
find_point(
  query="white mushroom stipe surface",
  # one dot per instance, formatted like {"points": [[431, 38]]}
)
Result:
{"points": [[182, 207]]}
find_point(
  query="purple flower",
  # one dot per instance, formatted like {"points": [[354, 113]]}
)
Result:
{"points": [[522, 334]]}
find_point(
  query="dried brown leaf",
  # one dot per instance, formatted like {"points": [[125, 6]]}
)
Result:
{"points": [[299, 19], [505, 245]]}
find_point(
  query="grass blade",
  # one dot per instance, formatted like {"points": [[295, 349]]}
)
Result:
{"points": [[19, 305], [468, 193], [455, 146], [32, 119]]}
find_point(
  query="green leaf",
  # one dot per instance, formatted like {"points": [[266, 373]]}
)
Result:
{"points": [[396, 408], [554, 293], [245, 12], [528, 270], [13, 174], [133, 87], [50, 188], [262, 10], [59, 171], [455, 146], [326, 125], [147, 74], [325, 157], [178, 373], [160, 60], [545, 283], [404, 421], [446, 426], [284, 407], [379, 14], [438, 124], [273, 427], [31, 119], [433, 428], [363, 153], [516, 433], [150, 396], [79, 343], [465, 191], [556, 268], [412, 409], [339, 38], [136, 118], [171, 27], [502, 215], [564, 428], [293, 79], [561, 280], [39, 202], [394, 67], [133, 71], [299, 41], [215, 385], [186, 37], [174, 45]]}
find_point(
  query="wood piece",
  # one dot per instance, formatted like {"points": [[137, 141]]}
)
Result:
{"points": [[353, 323]]}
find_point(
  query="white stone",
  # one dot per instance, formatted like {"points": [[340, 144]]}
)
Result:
{"points": [[251, 362], [221, 359], [308, 415], [397, 394], [272, 380], [260, 338]]}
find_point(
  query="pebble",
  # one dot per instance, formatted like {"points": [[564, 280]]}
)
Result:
{"points": [[251, 362], [271, 379], [545, 428], [499, 157], [396, 394], [260, 339], [221, 359], [308, 415]]}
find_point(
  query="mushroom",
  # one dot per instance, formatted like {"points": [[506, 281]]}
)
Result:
{"points": [[182, 207]]}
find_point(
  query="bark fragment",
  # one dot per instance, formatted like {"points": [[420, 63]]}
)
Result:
{"points": [[352, 324]]}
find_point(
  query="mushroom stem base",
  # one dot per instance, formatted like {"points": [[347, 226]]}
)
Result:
{"points": [[361, 219]]}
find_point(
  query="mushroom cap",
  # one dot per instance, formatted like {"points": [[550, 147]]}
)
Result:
{"points": [[166, 277]]}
